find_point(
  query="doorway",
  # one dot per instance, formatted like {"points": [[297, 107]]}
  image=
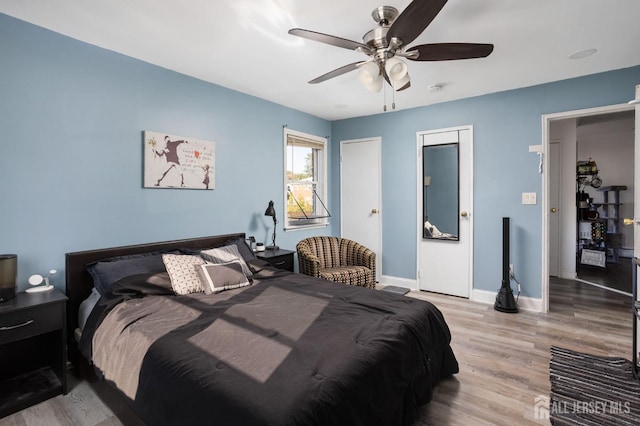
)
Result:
{"points": [[569, 130]]}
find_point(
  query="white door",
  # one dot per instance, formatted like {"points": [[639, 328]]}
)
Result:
{"points": [[445, 259], [553, 166], [360, 195]]}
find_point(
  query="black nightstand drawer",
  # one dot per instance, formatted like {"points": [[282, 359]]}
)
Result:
{"points": [[281, 258], [27, 323], [284, 262]]}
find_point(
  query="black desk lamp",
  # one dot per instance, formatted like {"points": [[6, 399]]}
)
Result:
{"points": [[270, 211]]}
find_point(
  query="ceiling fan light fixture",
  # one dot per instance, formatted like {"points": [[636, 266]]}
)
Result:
{"points": [[389, 42], [375, 86], [401, 83], [396, 69], [369, 75]]}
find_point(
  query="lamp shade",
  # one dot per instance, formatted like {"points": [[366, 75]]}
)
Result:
{"points": [[8, 276], [270, 211], [376, 85], [396, 69], [400, 84], [369, 75]]}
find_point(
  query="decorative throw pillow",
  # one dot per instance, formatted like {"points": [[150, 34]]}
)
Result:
{"points": [[221, 276], [243, 248], [226, 254], [181, 269], [108, 271]]}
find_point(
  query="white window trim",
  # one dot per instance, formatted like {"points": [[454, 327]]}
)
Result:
{"points": [[322, 177]]}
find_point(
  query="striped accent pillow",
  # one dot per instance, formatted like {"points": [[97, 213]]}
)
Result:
{"points": [[226, 254], [222, 276]]}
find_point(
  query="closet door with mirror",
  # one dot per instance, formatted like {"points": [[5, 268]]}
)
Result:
{"points": [[445, 221]]}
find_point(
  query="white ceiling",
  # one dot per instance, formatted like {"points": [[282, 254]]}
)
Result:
{"points": [[244, 45]]}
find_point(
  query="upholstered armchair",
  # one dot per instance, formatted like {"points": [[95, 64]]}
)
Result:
{"points": [[337, 259]]}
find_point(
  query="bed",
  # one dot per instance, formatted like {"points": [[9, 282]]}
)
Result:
{"points": [[284, 349]]}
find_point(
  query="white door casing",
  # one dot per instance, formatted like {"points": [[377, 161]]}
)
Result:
{"points": [[636, 188], [447, 266], [636, 179], [546, 182], [554, 162], [361, 194]]}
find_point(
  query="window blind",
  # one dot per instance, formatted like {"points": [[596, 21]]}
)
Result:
{"points": [[298, 141]]}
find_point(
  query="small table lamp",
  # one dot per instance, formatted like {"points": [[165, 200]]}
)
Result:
{"points": [[272, 212]]}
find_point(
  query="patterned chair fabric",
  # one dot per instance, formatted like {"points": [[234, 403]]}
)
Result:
{"points": [[337, 259]]}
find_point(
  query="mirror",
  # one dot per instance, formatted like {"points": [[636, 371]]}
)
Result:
{"points": [[440, 201]]}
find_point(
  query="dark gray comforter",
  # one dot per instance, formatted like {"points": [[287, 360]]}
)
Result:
{"points": [[288, 350]]}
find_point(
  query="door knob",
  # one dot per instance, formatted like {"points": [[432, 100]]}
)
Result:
{"points": [[553, 210], [374, 211], [627, 221], [464, 214]]}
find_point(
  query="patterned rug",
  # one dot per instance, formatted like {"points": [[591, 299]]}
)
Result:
{"points": [[591, 390]]}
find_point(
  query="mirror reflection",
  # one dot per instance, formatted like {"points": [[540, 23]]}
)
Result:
{"points": [[440, 193]]}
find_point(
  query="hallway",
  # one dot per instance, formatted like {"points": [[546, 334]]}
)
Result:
{"points": [[616, 276]]}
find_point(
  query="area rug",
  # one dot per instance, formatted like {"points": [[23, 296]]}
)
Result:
{"points": [[592, 390]]}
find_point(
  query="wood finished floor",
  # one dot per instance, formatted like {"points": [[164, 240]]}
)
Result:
{"points": [[615, 275], [504, 359]]}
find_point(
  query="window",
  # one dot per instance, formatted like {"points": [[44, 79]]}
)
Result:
{"points": [[305, 180]]}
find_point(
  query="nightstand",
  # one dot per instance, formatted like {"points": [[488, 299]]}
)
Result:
{"points": [[33, 349], [281, 258]]}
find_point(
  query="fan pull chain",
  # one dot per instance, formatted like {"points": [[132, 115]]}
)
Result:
{"points": [[384, 91], [393, 96]]}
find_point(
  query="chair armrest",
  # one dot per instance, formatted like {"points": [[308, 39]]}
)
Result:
{"points": [[362, 256], [308, 263]]}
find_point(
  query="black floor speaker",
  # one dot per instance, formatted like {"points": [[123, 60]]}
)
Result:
{"points": [[505, 302]]}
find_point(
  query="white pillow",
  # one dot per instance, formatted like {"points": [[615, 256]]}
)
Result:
{"points": [[217, 277], [226, 254], [181, 269]]}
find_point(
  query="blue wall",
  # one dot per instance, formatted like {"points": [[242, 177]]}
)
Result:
{"points": [[72, 117], [505, 124]]}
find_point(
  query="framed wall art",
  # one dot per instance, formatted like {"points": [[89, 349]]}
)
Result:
{"points": [[172, 161]]}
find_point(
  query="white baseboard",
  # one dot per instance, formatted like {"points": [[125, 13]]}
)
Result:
{"points": [[480, 296], [568, 274], [524, 303], [400, 282]]}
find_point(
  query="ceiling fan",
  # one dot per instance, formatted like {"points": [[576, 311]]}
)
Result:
{"points": [[389, 41]]}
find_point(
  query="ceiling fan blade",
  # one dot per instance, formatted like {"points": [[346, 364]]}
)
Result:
{"points": [[338, 71], [406, 86], [450, 51], [414, 19], [329, 39]]}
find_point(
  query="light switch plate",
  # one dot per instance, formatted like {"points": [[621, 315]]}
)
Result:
{"points": [[529, 198]]}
